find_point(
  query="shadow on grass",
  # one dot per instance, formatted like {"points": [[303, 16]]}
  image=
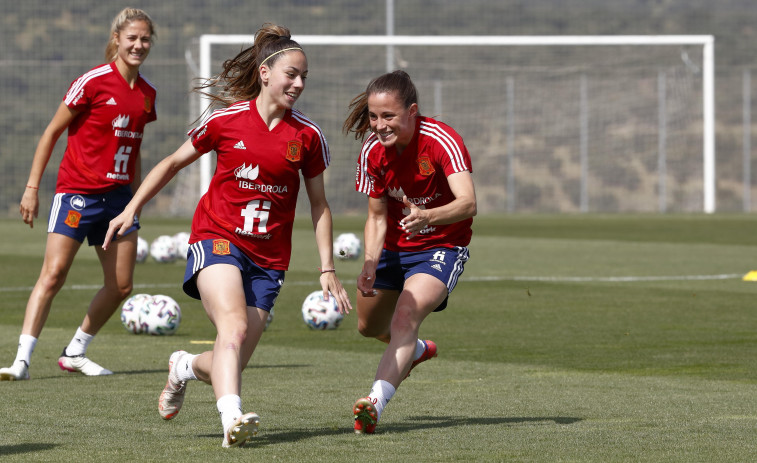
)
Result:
{"points": [[25, 448], [413, 423], [249, 367]]}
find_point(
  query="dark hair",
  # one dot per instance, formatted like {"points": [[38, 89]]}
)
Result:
{"points": [[122, 19], [397, 82], [240, 78]]}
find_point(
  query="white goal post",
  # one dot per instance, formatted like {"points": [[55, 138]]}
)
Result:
{"points": [[207, 41]]}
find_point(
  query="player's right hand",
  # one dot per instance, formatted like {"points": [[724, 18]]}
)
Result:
{"points": [[29, 207]]}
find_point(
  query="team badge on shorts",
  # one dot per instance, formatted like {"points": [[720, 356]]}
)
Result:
{"points": [[293, 150], [72, 220], [425, 166], [221, 247]]}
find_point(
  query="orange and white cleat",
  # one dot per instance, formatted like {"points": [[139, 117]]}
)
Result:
{"points": [[428, 353], [172, 397], [366, 416]]}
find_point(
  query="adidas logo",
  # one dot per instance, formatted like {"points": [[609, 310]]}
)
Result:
{"points": [[240, 145], [437, 267], [111, 102]]}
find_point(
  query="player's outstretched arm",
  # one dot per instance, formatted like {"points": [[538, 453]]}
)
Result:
{"points": [[322, 224], [158, 177]]}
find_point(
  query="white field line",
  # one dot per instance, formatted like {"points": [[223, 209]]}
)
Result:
{"points": [[558, 279]]}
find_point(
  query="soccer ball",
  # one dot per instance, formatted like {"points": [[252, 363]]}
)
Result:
{"points": [[142, 249], [163, 249], [181, 242], [131, 312], [347, 246], [319, 314], [162, 316]]}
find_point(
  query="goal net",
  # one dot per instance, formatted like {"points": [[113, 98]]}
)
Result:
{"points": [[553, 124]]}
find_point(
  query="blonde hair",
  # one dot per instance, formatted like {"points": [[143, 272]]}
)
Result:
{"points": [[123, 19], [240, 78]]}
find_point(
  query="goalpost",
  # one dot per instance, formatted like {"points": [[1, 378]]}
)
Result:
{"points": [[578, 172]]}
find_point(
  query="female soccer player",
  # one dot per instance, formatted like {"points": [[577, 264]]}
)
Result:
{"points": [[242, 229], [416, 172], [105, 111]]}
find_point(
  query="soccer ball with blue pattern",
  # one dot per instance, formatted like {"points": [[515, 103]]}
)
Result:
{"points": [[131, 312], [319, 314], [162, 316]]}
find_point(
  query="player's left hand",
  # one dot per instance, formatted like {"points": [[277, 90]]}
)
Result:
{"points": [[415, 221]]}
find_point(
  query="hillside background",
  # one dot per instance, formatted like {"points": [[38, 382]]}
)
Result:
{"points": [[44, 45]]}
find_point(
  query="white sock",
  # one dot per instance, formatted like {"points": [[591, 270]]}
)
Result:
{"points": [[381, 392], [79, 343], [230, 408], [420, 348], [26, 345], [184, 369]]}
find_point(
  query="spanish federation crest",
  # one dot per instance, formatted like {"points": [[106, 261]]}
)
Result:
{"points": [[424, 166], [294, 148], [221, 247]]}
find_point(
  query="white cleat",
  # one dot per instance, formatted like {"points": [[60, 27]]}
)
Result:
{"points": [[81, 364], [243, 429], [19, 371]]}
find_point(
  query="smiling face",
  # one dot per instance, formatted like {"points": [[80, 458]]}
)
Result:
{"points": [[134, 42], [284, 81], [390, 120]]}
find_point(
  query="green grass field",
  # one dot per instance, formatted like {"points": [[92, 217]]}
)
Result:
{"points": [[569, 338]]}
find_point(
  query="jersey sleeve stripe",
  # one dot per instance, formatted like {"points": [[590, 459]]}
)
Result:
{"points": [[233, 109], [79, 84], [448, 143], [324, 145], [363, 180]]}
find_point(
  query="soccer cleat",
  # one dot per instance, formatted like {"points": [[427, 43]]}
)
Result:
{"points": [[19, 371], [81, 364], [243, 429], [428, 353], [365, 416], [172, 397]]}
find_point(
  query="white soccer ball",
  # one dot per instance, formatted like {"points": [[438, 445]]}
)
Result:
{"points": [[319, 314], [143, 249], [347, 246], [181, 242], [163, 249], [132, 310], [162, 317]]}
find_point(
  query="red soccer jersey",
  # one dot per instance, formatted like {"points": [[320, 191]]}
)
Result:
{"points": [[104, 139], [420, 173], [252, 196]]}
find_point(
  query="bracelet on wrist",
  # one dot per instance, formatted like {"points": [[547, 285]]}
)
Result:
{"points": [[32, 187], [326, 270]]}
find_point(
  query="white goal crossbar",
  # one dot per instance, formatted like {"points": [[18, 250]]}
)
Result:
{"points": [[708, 72]]}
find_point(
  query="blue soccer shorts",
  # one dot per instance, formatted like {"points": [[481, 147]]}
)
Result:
{"points": [[78, 216], [261, 285], [444, 264]]}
